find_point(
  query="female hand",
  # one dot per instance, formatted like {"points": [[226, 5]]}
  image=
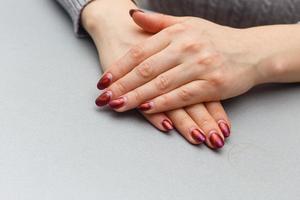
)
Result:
{"points": [[198, 123], [114, 37], [191, 60]]}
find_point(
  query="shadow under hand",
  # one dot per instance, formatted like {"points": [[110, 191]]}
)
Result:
{"points": [[266, 92], [132, 115]]}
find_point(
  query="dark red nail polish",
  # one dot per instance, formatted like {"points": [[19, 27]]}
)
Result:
{"points": [[133, 1], [117, 103], [198, 135], [105, 81], [132, 11], [104, 98], [224, 128], [145, 106], [216, 140], [167, 125]]}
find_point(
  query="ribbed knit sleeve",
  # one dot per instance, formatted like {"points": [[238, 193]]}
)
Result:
{"points": [[74, 9], [235, 13]]}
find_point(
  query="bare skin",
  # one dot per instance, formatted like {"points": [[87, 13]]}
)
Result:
{"points": [[190, 60], [114, 33]]}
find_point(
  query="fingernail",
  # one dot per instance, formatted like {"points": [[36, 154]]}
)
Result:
{"points": [[167, 125], [104, 98], [132, 11], [117, 103], [133, 1], [105, 81], [216, 140], [198, 135], [224, 128], [146, 106]]}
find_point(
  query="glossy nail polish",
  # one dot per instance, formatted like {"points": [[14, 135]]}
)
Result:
{"points": [[105, 81], [133, 1], [132, 11], [146, 106], [117, 103], [167, 125], [104, 98], [224, 128], [198, 135], [216, 140]]}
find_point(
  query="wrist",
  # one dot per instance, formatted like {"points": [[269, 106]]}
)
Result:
{"points": [[276, 69], [106, 16], [268, 45]]}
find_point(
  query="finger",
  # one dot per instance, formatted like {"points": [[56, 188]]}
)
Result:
{"points": [[186, 126], [160, 85], [144, 72], [217, 111], [189, 94], [154, 22], [134, 57], [160, 121], [207, 124]]}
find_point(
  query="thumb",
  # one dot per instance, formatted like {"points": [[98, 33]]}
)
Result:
{"points": [[153, 22]]}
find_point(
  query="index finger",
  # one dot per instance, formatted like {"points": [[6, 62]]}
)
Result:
{"points": [[134, 57]]}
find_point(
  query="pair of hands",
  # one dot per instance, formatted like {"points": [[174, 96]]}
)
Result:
{"points": [[169, 74], [198, 123]]}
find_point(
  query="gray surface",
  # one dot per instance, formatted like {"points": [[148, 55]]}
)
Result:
{"points": [[55, 144]]}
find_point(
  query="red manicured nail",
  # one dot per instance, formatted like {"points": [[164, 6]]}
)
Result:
{"points": [[104, 98], [167, 125], [132, 11], [224, 128], [133, 1], [117, 103], [216, 140], [105, 81], [198, 135], [145, 106]]}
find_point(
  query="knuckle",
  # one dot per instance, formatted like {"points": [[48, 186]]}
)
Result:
{"points": [[136, 52], [210, 59], [191, 47], [138, 97], [145, 70], [207, 61], [162, 83], [121, 87], [205, 122], [217, 79], [185, 94]]}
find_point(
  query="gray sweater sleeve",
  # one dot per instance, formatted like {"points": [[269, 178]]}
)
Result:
{"points": [[235, 13], [74, 8]]}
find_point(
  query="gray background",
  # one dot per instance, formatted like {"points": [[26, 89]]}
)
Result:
{"points": [[55, 144]]}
